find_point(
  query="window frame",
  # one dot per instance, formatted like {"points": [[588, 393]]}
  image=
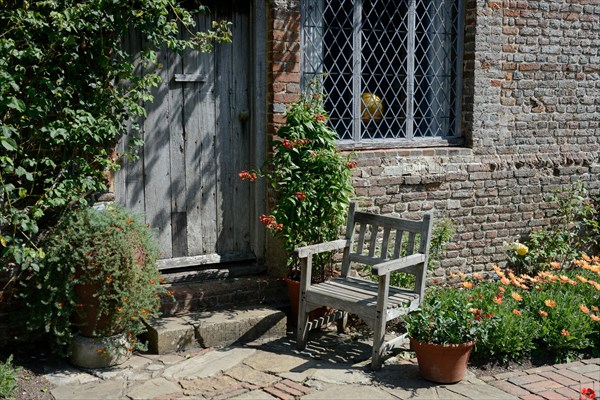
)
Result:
{"points": [[409, 140]]}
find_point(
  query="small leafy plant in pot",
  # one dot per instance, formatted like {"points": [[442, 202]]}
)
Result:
{"points": [[443, 332], [310, 181], [97, 283]]}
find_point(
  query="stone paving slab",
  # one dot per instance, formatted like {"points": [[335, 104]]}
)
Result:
{"points": [[335, 368], [207, 364]]}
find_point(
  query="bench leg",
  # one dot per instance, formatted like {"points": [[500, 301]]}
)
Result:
{"points": [[342, 322], [302, 330], [378, 342]]}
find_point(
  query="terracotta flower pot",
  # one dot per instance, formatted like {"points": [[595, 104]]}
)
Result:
{"points": [[442, 363]]}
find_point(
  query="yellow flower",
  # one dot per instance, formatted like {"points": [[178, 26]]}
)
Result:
{"points": [[516, 296], [516, 312], [565, 332], [521, 249], [550, 303], [467, 285], [542, 313], [584, 309]]}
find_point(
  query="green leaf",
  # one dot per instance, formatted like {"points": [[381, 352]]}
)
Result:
{"points": [[9, 144], [16, 104]]}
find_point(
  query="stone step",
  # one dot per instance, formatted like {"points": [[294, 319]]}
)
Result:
{"points": [[215, 329]]}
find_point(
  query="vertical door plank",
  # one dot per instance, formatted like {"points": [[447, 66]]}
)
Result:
{"points": [[200, 129], [156, 161], [129, 181], [177, 157], [224, 153], [241, 124]]}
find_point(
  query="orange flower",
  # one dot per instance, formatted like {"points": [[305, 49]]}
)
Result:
{"points": [[595, 308], [594, 317], [584, 309], [542, 313], [565, 332], [516, 296], [581, 278], [555, 265], [152, 281], [477, 276], [505, 281], [550, 303], [497, 300], [453, 275], [501, 288], [467, 285], [516, 312], [586, 257]]}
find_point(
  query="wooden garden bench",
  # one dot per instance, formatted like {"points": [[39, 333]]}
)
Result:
{"points": [[385, 243]]}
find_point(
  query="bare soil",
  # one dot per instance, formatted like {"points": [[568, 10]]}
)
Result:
{"points": [[31, 383]]}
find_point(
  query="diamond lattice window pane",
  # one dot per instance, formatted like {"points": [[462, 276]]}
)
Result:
{"points": [[402, 77]]}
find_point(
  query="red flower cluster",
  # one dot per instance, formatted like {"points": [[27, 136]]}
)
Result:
{"points": [[290, 144], [351, 164], [247, 176], [478, 315], [587, 393], [269, 223], [300, 196], [320, 117]]}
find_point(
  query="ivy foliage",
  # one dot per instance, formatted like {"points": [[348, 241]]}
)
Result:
{"points": [[68, 87]]}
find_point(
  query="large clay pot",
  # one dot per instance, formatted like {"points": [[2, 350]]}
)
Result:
{"points": [[442, 363]]}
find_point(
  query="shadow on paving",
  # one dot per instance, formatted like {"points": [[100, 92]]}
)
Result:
{"points": [[328, 350]]}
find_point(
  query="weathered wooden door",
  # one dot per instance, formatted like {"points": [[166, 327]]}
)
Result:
{"points": [[197, 137]]}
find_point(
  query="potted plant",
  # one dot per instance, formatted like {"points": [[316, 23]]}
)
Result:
{"points": [[310, 181], [442, 333], [98, 280]]}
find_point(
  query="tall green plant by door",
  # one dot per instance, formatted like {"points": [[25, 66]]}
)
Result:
{"points": [[310, 178]]}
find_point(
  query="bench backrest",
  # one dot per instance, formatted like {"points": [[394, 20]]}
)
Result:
{"points": [[378, 238]]}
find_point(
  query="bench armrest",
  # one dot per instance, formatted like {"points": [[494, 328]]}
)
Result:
{"points": [[307, 251], [400, 263]]}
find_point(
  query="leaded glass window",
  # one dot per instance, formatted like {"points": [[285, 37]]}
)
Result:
{"points": [[392, 67]]}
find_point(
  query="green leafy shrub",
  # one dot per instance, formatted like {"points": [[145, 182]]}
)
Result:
{"points": [[511, 331], [108, 250], [310, 179], [67, 88], [554, 313], [8, 378], [446, 316], [575, 230]]}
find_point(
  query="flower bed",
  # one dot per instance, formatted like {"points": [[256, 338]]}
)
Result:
{"points": [[554, 312]]}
